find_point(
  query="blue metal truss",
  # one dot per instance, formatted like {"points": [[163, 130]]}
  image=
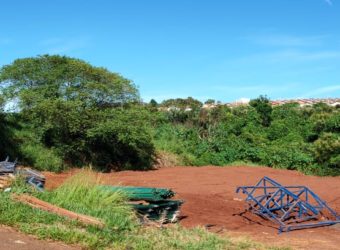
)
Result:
{"points": [[291, 207]]}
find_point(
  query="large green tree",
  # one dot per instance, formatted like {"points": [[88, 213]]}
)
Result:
{"points": [[67, 101], [59, 77]]}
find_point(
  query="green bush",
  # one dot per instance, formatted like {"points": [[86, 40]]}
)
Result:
{"points": [[286, 156], [327, 150], [121, 142], [287, 136], [41, 157]]}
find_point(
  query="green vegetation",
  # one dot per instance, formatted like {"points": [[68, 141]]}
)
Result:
{"points": [[288, 136], [71, 113], [81, 114], [122, 231], [7, 144]]}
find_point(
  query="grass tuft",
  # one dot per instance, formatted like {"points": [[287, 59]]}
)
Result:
{"points": [[80, 193]]}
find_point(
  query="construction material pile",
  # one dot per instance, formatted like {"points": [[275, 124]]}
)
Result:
{"points": [[290, 207], [9, 171], [151, 203], [45, 206]]}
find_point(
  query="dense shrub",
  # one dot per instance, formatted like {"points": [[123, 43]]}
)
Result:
{"points": [[287, 136], [122, 140], [8, 146], [327, 150], [41, 157]]}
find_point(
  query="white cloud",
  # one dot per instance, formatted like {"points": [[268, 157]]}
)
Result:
{"points": [[331, 89]]}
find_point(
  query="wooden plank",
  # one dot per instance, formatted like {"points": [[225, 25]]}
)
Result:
{"points": [[43, 205]]}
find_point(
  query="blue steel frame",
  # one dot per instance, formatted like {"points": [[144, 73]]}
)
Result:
{"points": [[291, 207]]}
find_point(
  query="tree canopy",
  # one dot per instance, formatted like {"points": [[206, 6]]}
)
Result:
{"points": [[35, 79], [182, 103], [65, 101], [263, 107]]}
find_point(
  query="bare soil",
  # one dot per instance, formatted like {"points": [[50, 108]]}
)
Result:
{"points": [[210, 200]]}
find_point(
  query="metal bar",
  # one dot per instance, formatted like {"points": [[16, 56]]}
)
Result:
{"points": [[271, 215], [319, 224], [287, 205]]}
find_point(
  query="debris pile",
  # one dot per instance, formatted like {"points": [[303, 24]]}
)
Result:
{"points": [[151, 203], [9, 171], [6, 180]]}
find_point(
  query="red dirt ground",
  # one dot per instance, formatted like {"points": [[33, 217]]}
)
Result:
{"points": [[210, 199], [13, 240]]}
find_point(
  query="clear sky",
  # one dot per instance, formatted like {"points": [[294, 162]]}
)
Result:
{"points": [[220, 49]]}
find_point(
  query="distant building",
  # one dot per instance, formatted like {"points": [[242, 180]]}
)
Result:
{"points": [[308, 102], [173, 108], [244, 102], [240, 102], [209, 106]]}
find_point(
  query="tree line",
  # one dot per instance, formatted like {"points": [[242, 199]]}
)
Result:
{"points": [[70, 113]]}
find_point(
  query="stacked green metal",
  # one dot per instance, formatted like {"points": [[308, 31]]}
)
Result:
{"points": [[163, 211], [159, 207], [143, 193]]}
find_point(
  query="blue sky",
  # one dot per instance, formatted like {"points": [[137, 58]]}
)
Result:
{"points": [[220, 49]]}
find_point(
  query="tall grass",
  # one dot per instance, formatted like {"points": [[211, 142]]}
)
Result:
{"points": [[81, 194]]}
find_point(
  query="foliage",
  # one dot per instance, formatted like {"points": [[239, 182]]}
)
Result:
{"points": [[122, 138], [181, 103], [327, 150], [61, 77], [296, 138], [210, 101], [40, 157], [263, 107], [153, 103], [78, 112], [8, 145]]}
